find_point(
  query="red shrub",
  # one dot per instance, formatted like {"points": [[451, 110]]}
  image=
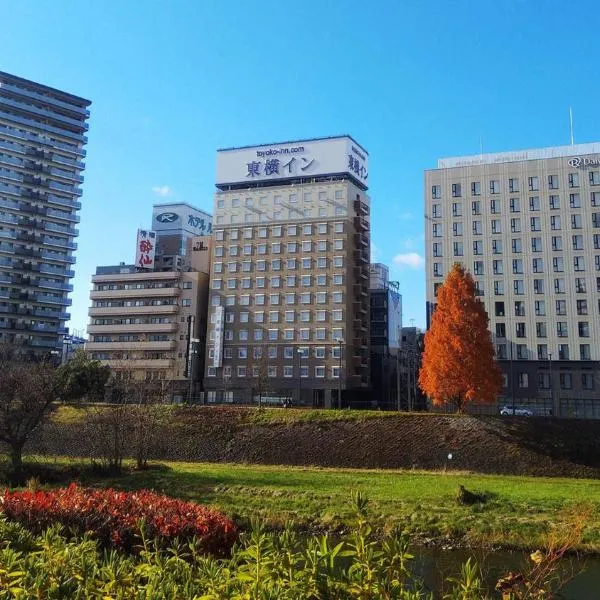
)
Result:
{"points": [[114, 517]]}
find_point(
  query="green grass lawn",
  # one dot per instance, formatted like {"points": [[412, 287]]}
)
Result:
{"points": [[520, 511]]}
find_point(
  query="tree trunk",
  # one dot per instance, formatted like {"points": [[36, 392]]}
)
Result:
{"points": [[16, 457]]}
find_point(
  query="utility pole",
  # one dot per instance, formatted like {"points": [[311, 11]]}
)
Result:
{"points": [[512, 382], [550, 381], [398, 379], [340, 376], [408, 400]]}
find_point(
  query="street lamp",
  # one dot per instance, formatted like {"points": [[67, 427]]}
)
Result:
{"points": [[340, 342]]}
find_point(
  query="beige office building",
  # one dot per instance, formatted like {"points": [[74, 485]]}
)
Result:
{"points": [[289, 289], [527, 226], [151, 323]]}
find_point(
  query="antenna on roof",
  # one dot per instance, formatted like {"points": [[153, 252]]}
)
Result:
{"points": [[571, 125], [481, 146]]}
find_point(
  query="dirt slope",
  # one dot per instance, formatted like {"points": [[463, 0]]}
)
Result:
{"points": [[531, 446]]}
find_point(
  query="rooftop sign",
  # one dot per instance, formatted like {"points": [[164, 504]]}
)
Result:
{"points": [[308, 158], [537, 154]]}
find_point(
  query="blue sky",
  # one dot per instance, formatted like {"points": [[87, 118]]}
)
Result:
{"points": [[411, 81]]}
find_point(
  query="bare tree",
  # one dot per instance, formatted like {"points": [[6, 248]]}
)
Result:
{"points": [[261, 382], [27, 391], [131, 424]]}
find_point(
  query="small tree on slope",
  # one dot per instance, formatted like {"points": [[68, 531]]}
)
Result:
{"points": [[458, 364]]}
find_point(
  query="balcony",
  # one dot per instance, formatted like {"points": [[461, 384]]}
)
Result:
{"points": [[117, 346], [44, 113], [143, 293], [46, 298], [361, 273], [360, 306], [59, 214], [52, 199], [361, 240], [162, 363], [361, 224], [57, 257], [46, 99], [51, 285], [361, 256], [360, 208], [138, 328], [361, 290], [49, 314], [101, 311], [21, 265], [60, 243], [51, 270]]}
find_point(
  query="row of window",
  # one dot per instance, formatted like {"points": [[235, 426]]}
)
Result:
{"points": [[273, 335], [276, 264], [521, 352], [540, 308], [537, 245], [277, 199], [141, 285], [130, 338], [541, 329], [290, 316], [278, 215], [275, 299], [535, 224], [133, 321], [515, 205], [303, 352], [519, 286], [565, 381], [271, 371], [533, 185], [276, 248], [537, 266], [277, 231], [276, 281], [141, 302]]}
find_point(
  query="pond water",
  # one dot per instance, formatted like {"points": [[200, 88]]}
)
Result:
{"points": [[434, 565]]}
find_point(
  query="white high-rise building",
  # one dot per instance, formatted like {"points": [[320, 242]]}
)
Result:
{"points": [[527, 226]]}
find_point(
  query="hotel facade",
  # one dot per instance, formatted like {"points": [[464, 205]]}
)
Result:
{"points": [[289, 283], [527, 226]]}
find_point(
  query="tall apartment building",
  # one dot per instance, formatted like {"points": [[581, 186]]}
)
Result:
{"points": [[527, 226], [289, 290], [386, 333], [41, 160], [151, 323]]}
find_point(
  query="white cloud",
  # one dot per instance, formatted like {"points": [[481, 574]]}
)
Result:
{"points": [[374, 253], [409, 259], [162, 190]]}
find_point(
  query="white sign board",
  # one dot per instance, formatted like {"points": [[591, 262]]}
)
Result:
{"points": [[145, 249], [308, 158], [179, 218], [219, 326]]}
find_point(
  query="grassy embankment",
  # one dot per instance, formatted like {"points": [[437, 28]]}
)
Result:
{"points": [[519, 512]]}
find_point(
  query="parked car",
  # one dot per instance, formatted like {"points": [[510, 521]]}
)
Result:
{"points": [[505, 411]]}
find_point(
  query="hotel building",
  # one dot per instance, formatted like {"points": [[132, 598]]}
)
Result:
{"points": [[42, 139], [150, 323], [527, 226], [289, 288]]}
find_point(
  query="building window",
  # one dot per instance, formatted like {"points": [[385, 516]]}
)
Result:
{"points": [[475, 188], [515, 205], [565, 381], [513, 185], [456, 190], [523, 380], [494, 186], [436, 192], [573, 180]]}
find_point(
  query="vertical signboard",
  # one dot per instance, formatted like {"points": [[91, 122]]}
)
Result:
{"points": [[219, 325], [394, 319], [145, 249]]}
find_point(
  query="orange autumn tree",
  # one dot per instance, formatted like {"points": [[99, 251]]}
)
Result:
{"points": [[458, 364]]}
